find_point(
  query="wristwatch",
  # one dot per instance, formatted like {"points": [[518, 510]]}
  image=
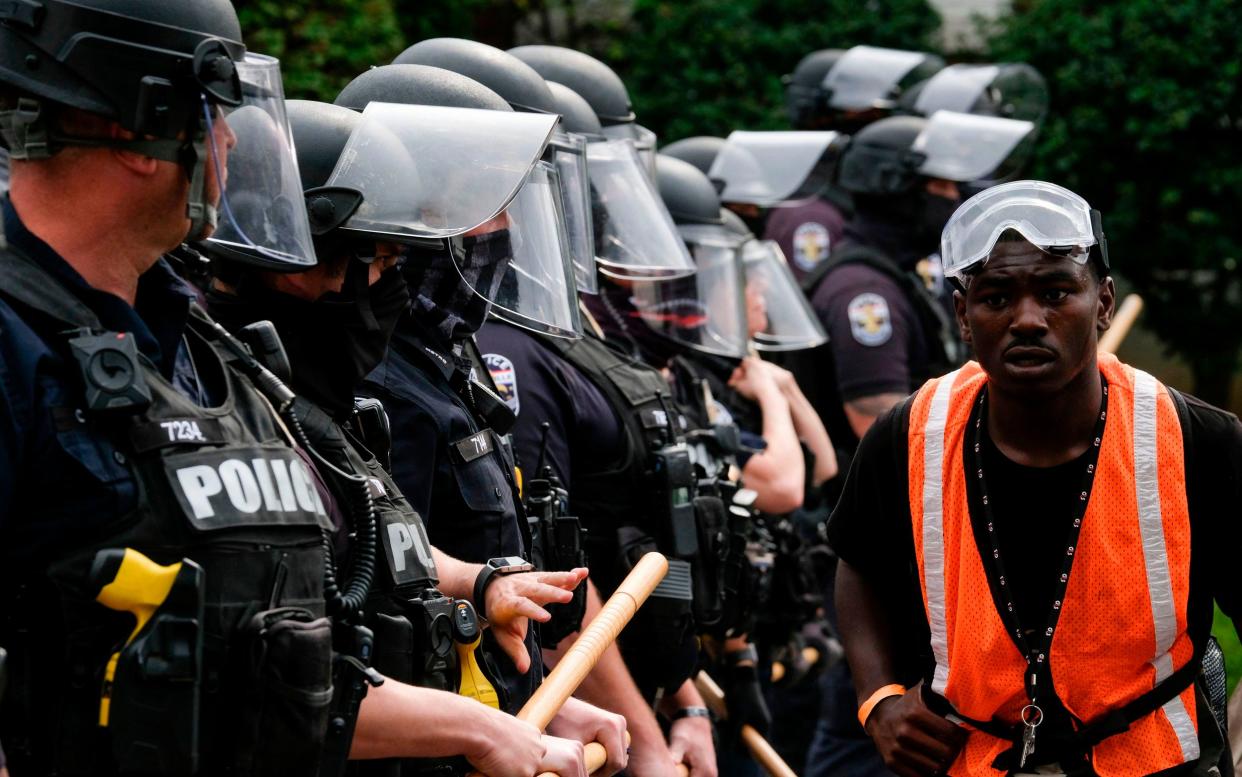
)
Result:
{"points": [[505, 565]]}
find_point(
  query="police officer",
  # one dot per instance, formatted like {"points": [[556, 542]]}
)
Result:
{"points": [[447, 453], [571, 425], [881, 300], [1072, 498], [338, 318], [144, 473]]}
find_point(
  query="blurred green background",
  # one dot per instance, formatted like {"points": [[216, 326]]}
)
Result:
{"points": [[1146, 118]]}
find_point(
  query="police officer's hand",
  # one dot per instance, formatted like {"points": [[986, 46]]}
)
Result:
{"points": [[752, 380], [653, 761], [512, 599], [507, 747], [563, 756], [913, 740], [783, 378], [690, 742], [588, 723], [744, 701]]}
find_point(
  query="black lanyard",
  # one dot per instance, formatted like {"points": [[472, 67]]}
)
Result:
{"points": [[1036, 652]]}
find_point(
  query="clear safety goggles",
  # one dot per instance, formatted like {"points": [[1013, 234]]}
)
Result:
{"points": [[262, 216], [769, 168], [570, 158], [705, 311], [434, 172], [779, 316], [529, 244], [634, 234], [1010, 91], [870, 77], [1048, 216]]}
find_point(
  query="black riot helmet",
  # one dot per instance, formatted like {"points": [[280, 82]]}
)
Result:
{"points": [[880, 159], [597, 83], [806, 102], [479, 199], [522, 87], [576, 113], [418, 85], [687, 192], [148, 66], [700, 151]]}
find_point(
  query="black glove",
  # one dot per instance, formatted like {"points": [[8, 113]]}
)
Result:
{"points": [[744, 702]]}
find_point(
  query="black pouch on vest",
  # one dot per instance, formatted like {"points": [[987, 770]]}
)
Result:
{"points": [[285, 670], [659, 644], [711, 521]]}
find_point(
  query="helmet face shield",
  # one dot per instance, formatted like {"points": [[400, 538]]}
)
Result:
{"points": [[644, 142], [768, 168], [531, 280], [634, 233], [779, 316], [868, 77], [262, 214], [570, 158], [705, 311], [964, 147], [433, 172], [1048, 216], [1010, 91]]}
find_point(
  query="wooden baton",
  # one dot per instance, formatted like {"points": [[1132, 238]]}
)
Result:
{"points": [[760, 748], [1124, 318], [578, 661]]}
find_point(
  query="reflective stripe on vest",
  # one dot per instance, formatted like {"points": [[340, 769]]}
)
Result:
{"points": [[1123, 627]]}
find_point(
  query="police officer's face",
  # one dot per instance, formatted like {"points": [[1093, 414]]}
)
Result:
{"points": [[1032, 318], [223, 140]]}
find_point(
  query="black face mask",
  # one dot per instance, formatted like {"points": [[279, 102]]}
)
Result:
{"points": [[333, 342], [446, 301], [933, 215]]}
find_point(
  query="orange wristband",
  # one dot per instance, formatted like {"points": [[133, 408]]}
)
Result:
{"points": [[864, 712]]}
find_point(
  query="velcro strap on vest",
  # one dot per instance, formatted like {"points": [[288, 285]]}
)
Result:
{"points": [[1088, 736]]}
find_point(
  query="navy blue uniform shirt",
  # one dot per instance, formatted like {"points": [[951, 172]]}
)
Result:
{"points": [[58, 477], [541, 387], [807, 232]]}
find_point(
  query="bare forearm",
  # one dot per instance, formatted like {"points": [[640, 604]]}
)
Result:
{"points": [[404, 721], [778, 474], [811, 430], [865, 632], [610, 686], [456, 577], [685, 696]]}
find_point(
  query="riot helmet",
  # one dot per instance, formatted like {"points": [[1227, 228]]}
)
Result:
{"points": [[700, 151], [477, 190], [856, 87], [776, 168], [164, 71], [576, 113], [806, 101], [779, 316], [526, 91], [1009, 90], [704, 311], [600, 86]]}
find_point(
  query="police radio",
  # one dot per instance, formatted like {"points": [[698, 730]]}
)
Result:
{"points": [[671, 474], [557, 545]]}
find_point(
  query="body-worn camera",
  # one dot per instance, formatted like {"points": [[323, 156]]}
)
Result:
{"points": [[110, 371], [557, 546]]}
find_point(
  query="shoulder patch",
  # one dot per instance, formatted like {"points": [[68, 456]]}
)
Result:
{"points": [[870, 321], [811, 244], [505, 378]]}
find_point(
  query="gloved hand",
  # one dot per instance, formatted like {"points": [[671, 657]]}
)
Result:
{"points": [[745, 702]]}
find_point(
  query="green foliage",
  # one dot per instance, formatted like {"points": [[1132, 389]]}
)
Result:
{"points": [[711, 66], [1227, 634], [321, 44], [1146, 123]]}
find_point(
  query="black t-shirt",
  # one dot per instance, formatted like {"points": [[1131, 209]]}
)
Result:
{"points": [[871, 528]]}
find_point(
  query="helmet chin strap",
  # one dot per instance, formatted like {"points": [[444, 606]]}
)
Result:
{"points": [[203, 215]]}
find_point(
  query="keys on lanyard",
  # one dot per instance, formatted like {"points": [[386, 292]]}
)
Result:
{"points": [[1032, 716]]}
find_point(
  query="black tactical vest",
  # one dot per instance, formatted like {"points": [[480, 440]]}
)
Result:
{"points": [[239, 672], [625, 510]]}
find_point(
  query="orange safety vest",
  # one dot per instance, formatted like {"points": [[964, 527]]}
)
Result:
{"points": [[1122, 627]]}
